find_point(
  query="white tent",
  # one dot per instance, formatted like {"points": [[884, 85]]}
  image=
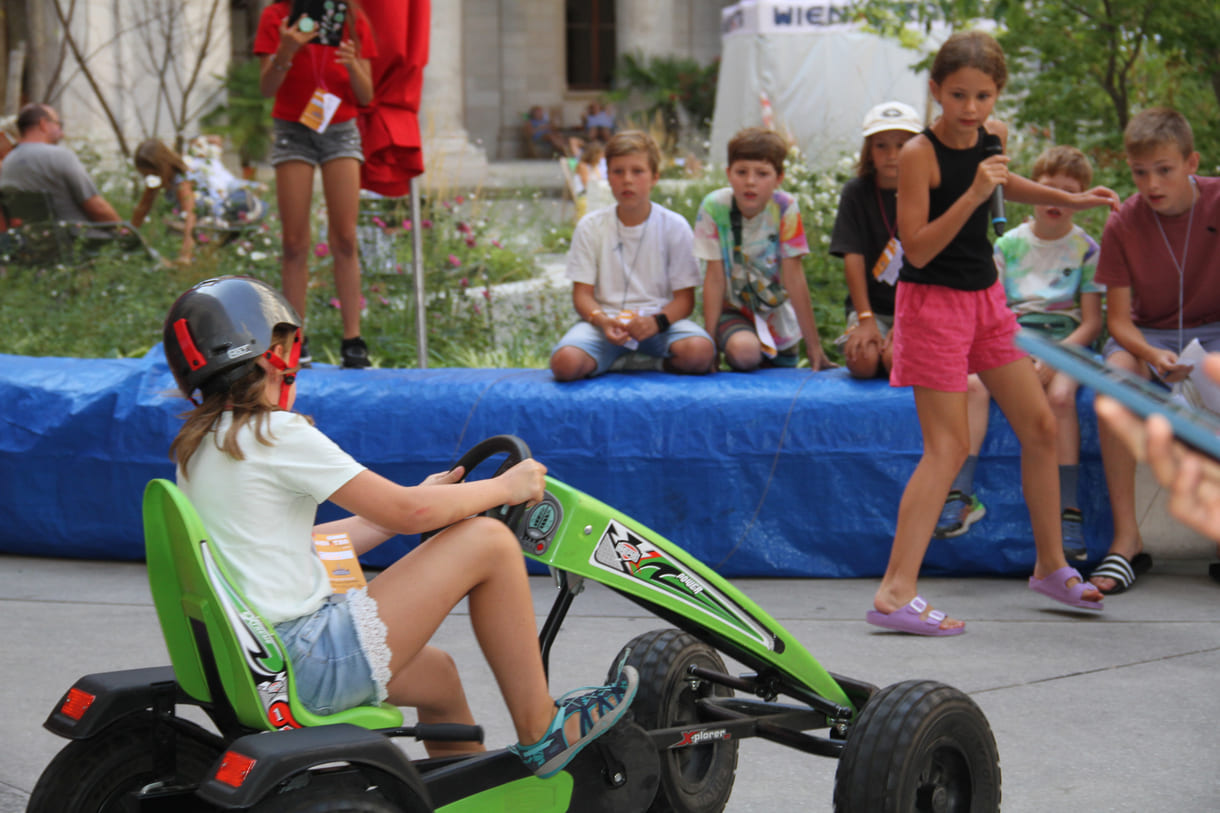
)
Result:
{"points": [[818, 71]]}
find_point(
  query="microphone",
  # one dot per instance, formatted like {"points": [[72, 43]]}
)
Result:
{"points": [[993, 146]]}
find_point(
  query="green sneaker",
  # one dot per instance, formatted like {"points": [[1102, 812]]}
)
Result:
{"points": [[960, 512]]}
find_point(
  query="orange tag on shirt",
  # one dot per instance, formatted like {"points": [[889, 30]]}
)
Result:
{"points": [[320, 110], [889, 263], [342, 566]]}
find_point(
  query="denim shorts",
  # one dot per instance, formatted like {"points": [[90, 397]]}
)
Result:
{"points": [[293, 141], [603, 351], [332, 659]]}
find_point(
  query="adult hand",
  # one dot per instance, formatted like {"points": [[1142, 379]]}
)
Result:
{"points": [[1192, 479], [526, 482], [346, 54]]}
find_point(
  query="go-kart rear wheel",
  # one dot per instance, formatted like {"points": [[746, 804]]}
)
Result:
{"points": [[697, 779], [919, 746], [93, 775]]}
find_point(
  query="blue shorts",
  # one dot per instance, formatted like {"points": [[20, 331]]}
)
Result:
{"points": [[330, 668], [293, 141], [590, 339]]}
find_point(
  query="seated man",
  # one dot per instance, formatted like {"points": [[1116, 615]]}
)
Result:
{"points": [[541, 137], [39, 164]]}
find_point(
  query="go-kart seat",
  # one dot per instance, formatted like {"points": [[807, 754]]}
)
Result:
{"points": [[220, 648]]}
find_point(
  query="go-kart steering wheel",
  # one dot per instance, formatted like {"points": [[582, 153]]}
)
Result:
{"points": [[516, 451]]}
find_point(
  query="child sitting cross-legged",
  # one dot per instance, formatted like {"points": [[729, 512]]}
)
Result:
{"points": [[633, 276]]}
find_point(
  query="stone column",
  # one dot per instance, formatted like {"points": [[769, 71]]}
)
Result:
{"points": [[449, 157], [647, 26]]}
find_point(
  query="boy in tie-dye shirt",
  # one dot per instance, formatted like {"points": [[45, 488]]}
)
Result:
{"points": [[750, 239]]}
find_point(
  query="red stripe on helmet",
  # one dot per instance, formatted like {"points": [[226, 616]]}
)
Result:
{"points": [[189, 351]]}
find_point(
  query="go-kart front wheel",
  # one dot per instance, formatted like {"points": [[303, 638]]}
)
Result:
{"points": [[699, 778], [919, 747], [95, 774]]}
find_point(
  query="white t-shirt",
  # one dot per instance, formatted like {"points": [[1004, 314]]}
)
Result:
{"points": [[260, 511], [635, 268]]}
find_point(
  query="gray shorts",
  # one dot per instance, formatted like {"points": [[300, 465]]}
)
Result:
{"points": [[293, 141], [605, 352], [1168, 339]]}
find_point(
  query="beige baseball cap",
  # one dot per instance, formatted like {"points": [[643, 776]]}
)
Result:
{"points": [[892, 116]]}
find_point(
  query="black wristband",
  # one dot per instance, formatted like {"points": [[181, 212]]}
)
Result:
{"points": [[662, 322]]}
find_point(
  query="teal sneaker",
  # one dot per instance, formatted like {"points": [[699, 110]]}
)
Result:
{"points": [[960, 512], [553, 752]]}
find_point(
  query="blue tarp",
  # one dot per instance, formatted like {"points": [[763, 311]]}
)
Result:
{"points": [[773, 473]]}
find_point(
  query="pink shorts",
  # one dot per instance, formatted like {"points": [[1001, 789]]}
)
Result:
{"points": [[941, 335]]}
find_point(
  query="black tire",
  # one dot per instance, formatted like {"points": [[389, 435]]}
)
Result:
{"points": [[698, 779], [919, 746], [93, 775]]}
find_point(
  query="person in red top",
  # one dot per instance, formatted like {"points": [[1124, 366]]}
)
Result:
{"points": [[317, 90], [1160, 263]]}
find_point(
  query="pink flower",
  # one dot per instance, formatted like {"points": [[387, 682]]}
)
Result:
{"points": [[496, 243], [427, 224], [487, 293], [471, 242], [378, 222], [398, 268], [406, 225], [335, 303], [463, 227], [321, 250], [203, 237], [383, 300], [463, 282], [455, 260], [459, 199]]}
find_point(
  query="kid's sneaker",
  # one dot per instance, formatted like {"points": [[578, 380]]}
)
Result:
{"points": [[960, 512], [355, 354], [1073, 535]]}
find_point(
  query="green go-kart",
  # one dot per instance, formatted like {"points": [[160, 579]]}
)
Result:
{"points": [[914, 746]]}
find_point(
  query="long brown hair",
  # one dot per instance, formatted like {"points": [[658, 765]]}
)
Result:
{"points": [[245, 399]]}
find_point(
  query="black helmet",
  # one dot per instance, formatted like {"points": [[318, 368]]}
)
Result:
{"points": [[217, 329]]}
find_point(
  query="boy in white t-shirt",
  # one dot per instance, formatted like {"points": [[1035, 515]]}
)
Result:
{"points": [[633, 275]]}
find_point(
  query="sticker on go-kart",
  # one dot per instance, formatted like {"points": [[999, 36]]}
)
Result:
{"points": [[701, 736], [260, 650], [626, 554]]}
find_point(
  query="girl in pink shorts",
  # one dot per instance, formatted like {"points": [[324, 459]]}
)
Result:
{"points": [[951, 320]]}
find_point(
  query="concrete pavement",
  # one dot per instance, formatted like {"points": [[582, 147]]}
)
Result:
{"points": [[1117, 712]]}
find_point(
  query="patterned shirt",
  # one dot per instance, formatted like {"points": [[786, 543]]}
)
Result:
{"points": [[752, 267], [1047, 276]]}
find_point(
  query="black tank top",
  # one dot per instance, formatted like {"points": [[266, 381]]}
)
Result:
{"points": [[967, 263]]}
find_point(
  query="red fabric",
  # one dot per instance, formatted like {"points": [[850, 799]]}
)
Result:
{"points": [[314, 66], [390, 125]]}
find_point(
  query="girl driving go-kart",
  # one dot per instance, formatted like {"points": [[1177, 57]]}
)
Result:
{"points": [[256, 472]]}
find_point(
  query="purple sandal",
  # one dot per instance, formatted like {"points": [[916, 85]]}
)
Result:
{"points": [[1055, 586], [910, 619]]}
